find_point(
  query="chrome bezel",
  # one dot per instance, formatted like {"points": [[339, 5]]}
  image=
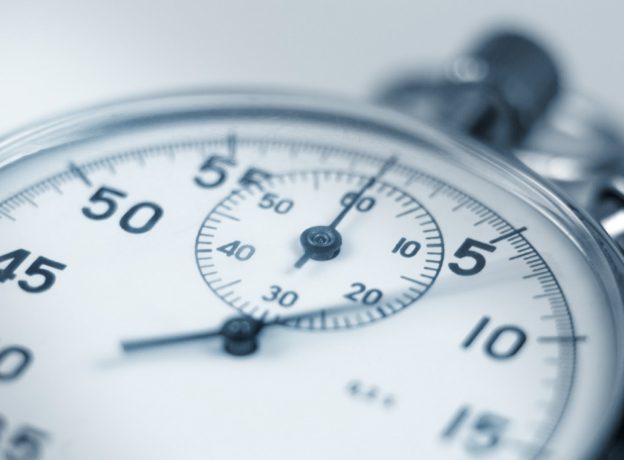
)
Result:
{"points": [[500, 169]]}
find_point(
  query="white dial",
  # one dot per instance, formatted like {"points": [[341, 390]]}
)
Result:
{"points": [[490, 317]]}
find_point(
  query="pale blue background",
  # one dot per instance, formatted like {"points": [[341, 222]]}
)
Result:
{"points": [[57, 55]]}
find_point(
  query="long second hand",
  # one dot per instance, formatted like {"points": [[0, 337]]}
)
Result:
{"points": [[245, 327], [139, 344]]}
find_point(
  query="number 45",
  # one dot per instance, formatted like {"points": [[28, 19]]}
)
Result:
{"points": [[40, 267]]}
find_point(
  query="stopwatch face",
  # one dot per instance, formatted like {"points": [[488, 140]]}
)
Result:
{"points": [[416, 297]]}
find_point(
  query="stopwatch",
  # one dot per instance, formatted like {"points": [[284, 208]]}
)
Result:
{"points": [[242, 274]]}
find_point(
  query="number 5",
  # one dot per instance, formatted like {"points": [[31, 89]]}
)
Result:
{"points": [[466, 251]]}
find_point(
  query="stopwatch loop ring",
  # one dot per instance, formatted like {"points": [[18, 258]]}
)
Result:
{"points": [[495, 93], [506, 92]]}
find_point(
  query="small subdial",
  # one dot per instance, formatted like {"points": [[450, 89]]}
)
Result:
{"points": [[270, 250]]}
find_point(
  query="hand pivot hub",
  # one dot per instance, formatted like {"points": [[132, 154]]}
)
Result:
{"points": [[321, 242], [241, 335]]}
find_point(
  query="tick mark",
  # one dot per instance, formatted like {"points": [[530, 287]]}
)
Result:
{"points": [[232, 145], [77, 171], [562, 339], [228, 285], [409, 211], [508, 235], [460, 205], [412, 280], [222, 214], [7, 215], [315, 180], [436, 191]]}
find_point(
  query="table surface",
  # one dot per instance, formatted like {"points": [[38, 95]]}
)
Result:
{"points": [[65, 54]]}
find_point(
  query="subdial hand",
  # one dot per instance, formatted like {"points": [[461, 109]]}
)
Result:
{"points": [[323, 242]]}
